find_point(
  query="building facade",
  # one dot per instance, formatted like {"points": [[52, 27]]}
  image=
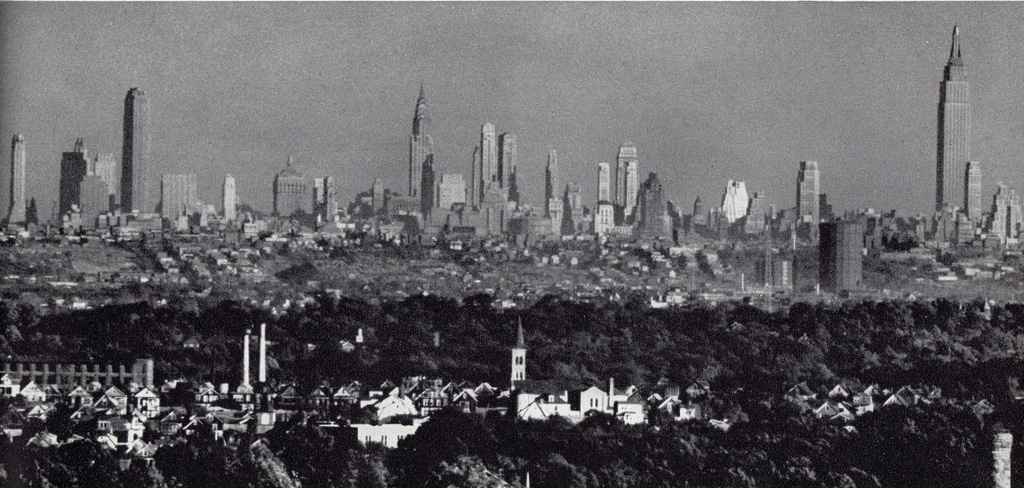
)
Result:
{"points": [[1006, 214], [604, 182], [12, 184], [178, 195], [291, 191], [840, 255], [95, 199], [954, 130], [135, 163], [488, 156], [421, 145], [972, 191], [551, 180], [507, 165], [735, 201], [651, 221], [451, 191], [73, 167], [627, 178], [808, 196], [229, 199]]}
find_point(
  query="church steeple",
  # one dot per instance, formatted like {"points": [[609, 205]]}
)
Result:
{"points": [[518, 358]]}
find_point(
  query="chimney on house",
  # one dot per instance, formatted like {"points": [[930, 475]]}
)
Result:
{"points": [[1001, 454], [263, 353], [245, 357], [611, 392]]}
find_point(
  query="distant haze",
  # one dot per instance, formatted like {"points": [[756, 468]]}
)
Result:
{"points": [[707, 91]]}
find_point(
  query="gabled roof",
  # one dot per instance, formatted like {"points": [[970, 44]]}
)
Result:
{"points": [[114, 392], [145, 393]]}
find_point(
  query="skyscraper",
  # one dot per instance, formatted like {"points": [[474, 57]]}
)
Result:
{"points": [[105, 167], [651, 221], [73, 167], [12, 184], [839, 254], [627, 178], [229, 199], [604, 182], [421, 145], [476, 180], [291, 191], [95, 199], [551, 182], [451, 191], [325, 198], [972, 191], [1006, 214], [177, 195], [735, 201], [507, 165], [427, 186], [808, 196], [954, 129], [489, 155], [135, 164]]}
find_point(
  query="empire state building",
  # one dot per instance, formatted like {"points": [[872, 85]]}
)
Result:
{"points": [[954, 130]]}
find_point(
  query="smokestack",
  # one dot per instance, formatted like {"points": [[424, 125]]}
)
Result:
{"points": [[245, 358], [263, 353], [611, 392]]}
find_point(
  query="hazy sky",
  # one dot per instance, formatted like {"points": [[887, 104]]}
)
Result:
{"points": [[707, 91]]}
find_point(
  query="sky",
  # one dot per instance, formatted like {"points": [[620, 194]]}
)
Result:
{"points": [[708, 92]]}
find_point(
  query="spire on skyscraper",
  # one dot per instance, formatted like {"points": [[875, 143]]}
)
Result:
{"points": [[954, 48]]}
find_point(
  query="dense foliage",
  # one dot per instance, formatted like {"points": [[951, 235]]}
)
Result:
{"points": [[748, 356]]}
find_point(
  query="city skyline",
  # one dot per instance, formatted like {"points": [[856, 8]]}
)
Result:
{"points": [[695, 131]]}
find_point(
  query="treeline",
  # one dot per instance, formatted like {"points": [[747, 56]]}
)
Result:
{"points": [[736, 348], [748, 356], [942, 445]]}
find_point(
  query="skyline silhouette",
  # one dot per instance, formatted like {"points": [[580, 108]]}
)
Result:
{"points": [[707, 92]]}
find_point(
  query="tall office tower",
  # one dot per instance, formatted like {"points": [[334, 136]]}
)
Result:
{"points": [[325, 198], [135, 163], [291, 191], [1006, 214], [735, 201], [604, 217], [551, 180], [12, 184], [627, 178], [972, 191], [808, 193], [427, 186], [73, 167], [954, 129], [105, 166], [489, 155], [421, 145], [839, 255], [757, 215], [700, 216], [451, 191], [177, 195], [604, 182], [476, 181], [651, 221], [377, 193], [507, 165], [95, 199], [229, 199]]}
